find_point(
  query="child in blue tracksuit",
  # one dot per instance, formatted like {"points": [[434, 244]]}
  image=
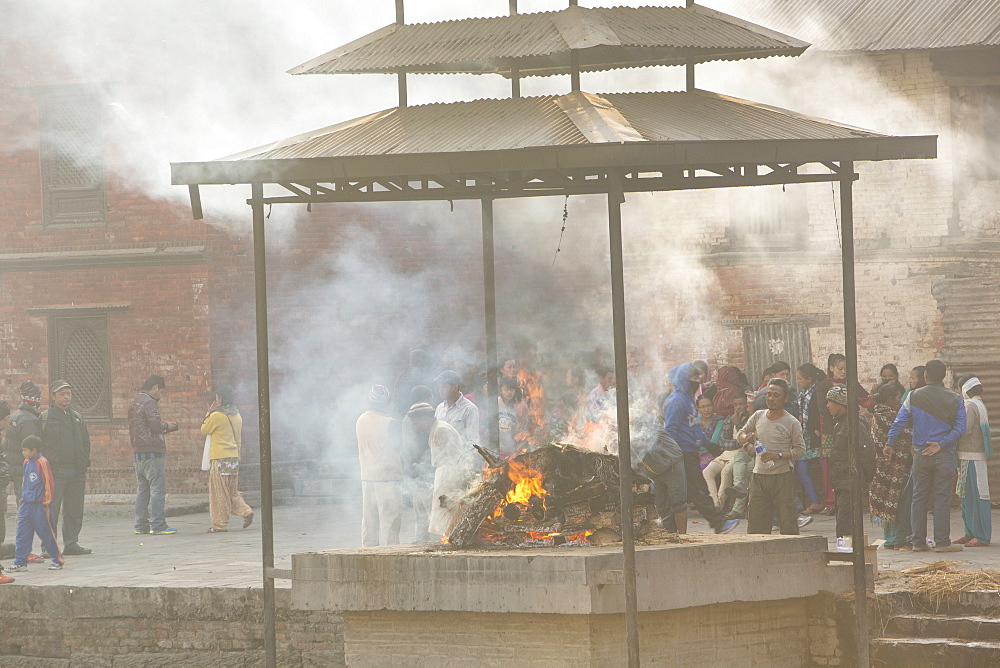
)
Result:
{"points": [[33, 514]]}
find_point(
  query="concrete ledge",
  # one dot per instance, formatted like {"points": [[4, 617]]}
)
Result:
{"points": [[569, 580]]}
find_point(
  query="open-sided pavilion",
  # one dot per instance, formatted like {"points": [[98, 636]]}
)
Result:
{"points": [[556, 145]]}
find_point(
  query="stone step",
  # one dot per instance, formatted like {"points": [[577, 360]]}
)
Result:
{"points": [[941, 626], [934, 653]]}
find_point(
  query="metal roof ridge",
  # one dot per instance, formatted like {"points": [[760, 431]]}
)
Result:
{"points": [[597, 119], [584, 28]]}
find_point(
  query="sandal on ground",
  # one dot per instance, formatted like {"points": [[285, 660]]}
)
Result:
{"points": [[961, 541], [975, 543], [814, 509], [214, 530], [828, 511], [248, 520]]}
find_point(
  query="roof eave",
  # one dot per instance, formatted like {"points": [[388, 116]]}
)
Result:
{"points": [[643, 156]]}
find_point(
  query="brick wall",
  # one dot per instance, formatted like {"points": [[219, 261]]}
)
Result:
{"points": [[61, 626]]}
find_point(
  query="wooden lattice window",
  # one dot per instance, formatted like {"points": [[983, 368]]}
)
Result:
{"points": [[79, 352], [71, 146]]}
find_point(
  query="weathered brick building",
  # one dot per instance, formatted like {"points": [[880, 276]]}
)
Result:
{"points": [[106, 284]]}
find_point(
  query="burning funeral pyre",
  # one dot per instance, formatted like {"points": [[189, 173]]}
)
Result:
{"points": [[553, 495]]}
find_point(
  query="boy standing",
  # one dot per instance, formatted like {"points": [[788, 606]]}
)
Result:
{"points": [[33, 514]]}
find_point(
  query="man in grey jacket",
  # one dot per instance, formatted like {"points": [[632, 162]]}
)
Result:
{"points": [[145, 431]]}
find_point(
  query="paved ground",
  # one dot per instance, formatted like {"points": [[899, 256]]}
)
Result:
{"points": [[194, 558]]}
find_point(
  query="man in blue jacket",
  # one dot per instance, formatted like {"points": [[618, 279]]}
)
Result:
{"points": [[681, 422], [937, 416]]}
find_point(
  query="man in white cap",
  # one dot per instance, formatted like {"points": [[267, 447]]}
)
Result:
{"points": [[381, 471], [974, 449]]}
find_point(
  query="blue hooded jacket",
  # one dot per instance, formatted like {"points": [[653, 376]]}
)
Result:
{"points": [[680, 414]]}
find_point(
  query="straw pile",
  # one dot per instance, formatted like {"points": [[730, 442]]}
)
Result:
{"points": [[941, 583]]}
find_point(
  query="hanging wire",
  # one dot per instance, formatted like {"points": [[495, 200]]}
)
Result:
{"points": [[836, 216], [561, 231]]}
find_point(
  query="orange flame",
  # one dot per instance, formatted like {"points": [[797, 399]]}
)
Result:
{"points": [[534, 395], [527, 483]]}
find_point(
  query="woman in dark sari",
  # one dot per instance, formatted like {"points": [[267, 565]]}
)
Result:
{"points": [[890, 491]]}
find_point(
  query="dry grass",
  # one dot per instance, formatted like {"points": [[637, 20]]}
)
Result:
{"points": [[939, 583]]}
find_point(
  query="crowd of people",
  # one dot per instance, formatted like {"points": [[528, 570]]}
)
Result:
{"points": [[46, 455], [771, 453]]}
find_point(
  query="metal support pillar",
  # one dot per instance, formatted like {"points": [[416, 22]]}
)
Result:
{"points": [[264, 428], [515, 74], [490, 299], [854, 445], [689, 76], [401, 88], [574, 70], [400, 74], [615, 198]]}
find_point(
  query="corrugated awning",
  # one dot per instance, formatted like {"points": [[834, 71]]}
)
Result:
{"points": [[578, 130], [540, 44]]}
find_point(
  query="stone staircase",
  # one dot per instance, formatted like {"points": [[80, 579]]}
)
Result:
{"points": [[965, 632]]}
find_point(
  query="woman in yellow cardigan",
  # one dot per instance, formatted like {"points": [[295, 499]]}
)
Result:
{"points": [[224, 424]]}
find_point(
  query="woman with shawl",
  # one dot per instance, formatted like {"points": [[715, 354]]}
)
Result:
{"points": [[836, 371], [890, 491], [974, 448]]}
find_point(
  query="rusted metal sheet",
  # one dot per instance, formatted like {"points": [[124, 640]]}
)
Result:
{"points": [[879, 25], [763, 345], [540, 44]]}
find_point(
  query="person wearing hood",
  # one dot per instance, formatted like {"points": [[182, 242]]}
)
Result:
{"points": [[681, 423], [24, 422], [224, 425], [381, 471], [974, 449]]}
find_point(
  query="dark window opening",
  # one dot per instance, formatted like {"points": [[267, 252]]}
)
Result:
{"points": [[72, 162], [768, 217]]}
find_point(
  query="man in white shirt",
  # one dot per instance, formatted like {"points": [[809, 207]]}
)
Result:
{"points": [[456, 410], [381, 472], [772, 483]]}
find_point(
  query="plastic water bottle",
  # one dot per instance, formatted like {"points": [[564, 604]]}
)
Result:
{"points": [[760, 449]]}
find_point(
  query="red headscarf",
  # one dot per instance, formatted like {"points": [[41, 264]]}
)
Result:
{"points": [[727, 382]]}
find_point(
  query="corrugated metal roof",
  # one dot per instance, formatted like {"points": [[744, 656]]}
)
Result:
{"points": [[539, 44], [487, 125], [879, 25]]}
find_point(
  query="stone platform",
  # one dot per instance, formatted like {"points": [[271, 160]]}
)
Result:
{"points": [[739, 599]]}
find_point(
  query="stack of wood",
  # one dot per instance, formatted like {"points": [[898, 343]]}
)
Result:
{"points": [[579, 496]]}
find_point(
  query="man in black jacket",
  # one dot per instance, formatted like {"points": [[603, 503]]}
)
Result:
{"points": [[66, 444]]}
